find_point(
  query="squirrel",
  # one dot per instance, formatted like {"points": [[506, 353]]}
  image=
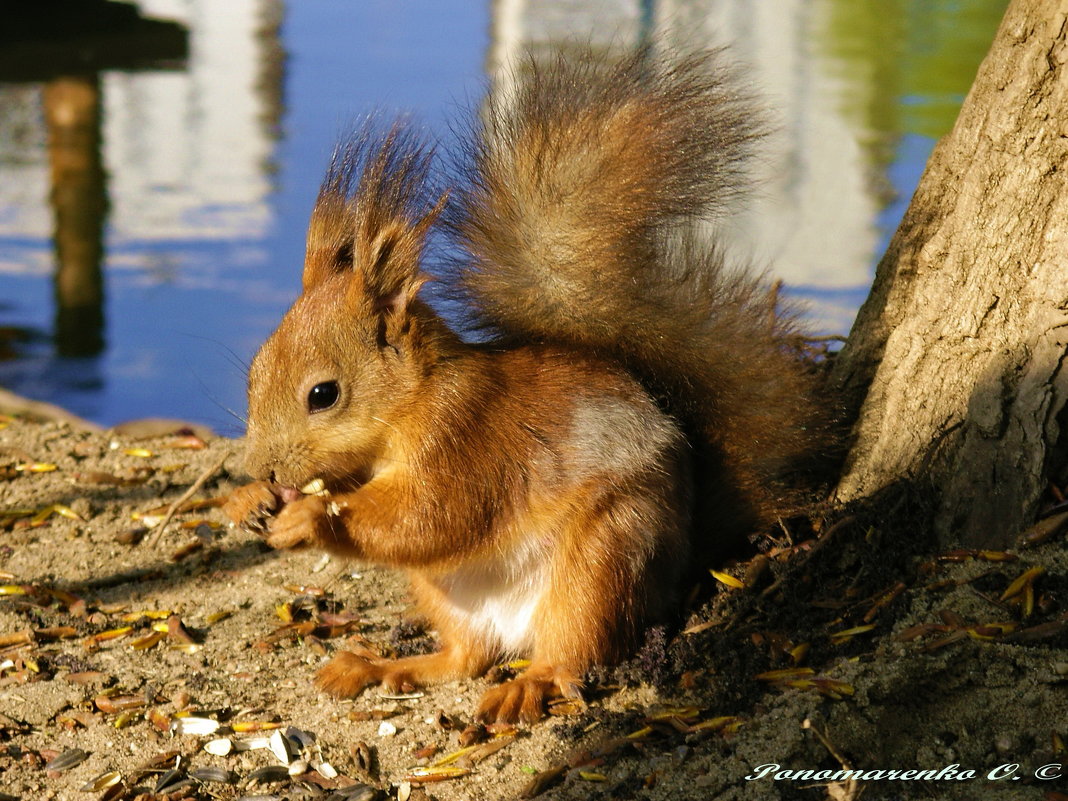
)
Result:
{"points": [[630, 405]]}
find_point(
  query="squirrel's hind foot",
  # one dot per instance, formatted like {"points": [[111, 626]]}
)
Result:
{"points": [[524, 698]]}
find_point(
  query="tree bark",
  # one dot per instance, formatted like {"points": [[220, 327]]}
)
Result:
{"points": [[954, 364]]}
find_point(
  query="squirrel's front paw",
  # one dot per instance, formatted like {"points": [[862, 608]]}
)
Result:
{"points": [[250, 506], [298, 524], [347, 674]]}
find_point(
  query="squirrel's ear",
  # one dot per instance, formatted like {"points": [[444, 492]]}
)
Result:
{"points": [[387, 256], [386, 270], [392, 309]]}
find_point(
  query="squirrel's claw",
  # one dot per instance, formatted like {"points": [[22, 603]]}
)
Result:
{"points": [[524, 698], [250, 506]]}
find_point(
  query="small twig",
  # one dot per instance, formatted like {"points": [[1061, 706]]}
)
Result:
{"points": [[334, 579], [817, 546], [808, 725], [773, 302], [786, 531], [850, 789], [202, 479]]}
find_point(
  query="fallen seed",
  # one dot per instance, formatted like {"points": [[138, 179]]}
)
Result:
{"points": [[168, 778], [146, 642], [305, 589], [425, 752], [1023, 581], [269, 774], [195, 726], [101, 782], [251, 744], [426, 775], [448, 759], [839, 637], [151, 614], [111, 634], [728, 580], [56, 632], [16, 638], [280, 747], [113, 704], [68, 759], [214, 775], [67, 512], [246, 726], [186, 550], [480, 752], [124, 719], [219, 747], [325, 769]]}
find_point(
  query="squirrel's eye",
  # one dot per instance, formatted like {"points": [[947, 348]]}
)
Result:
{"points": [[323, 396]]}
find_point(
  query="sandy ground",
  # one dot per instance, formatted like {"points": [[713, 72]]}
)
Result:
{"points": [[898, 658]]}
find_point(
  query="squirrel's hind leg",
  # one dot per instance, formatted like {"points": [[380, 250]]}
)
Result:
{"points": [[461, 656], [614, 571]]}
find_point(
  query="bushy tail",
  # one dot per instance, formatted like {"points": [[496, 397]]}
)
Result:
{"points": [[571, 214]]}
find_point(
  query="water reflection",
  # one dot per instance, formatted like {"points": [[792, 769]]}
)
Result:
{"points": [[79, 204], [857, 92], [66, 45], [182, 218], [144, 158]]}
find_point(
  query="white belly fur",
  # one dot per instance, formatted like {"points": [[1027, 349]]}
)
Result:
{"points": [[496, 597]]}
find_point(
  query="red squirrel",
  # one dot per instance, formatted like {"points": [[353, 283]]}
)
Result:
{"points": [[630, 404]]}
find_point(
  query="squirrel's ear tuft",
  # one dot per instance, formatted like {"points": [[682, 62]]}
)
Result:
{"points": [[330, 240], [373, 213]]}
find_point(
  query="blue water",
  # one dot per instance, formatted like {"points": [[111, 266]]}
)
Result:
{"points": [[185, 311], [178, 335]]}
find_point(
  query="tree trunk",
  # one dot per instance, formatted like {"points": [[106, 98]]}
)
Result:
{"points": [[953, 367]]}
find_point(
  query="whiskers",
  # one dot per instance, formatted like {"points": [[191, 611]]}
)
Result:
{"points": [[208, 392]]}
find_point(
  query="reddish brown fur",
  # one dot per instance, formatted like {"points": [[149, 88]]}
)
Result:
{"points": [[541, 500]]}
